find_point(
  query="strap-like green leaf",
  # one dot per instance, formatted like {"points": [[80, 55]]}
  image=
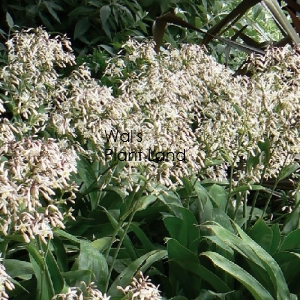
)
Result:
{"points": [[254, 287]]}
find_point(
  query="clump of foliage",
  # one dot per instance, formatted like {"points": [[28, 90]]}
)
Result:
{"points": [[76, 222]]}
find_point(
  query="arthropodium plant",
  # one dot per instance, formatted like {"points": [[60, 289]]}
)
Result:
{"points": [[180, 101]]}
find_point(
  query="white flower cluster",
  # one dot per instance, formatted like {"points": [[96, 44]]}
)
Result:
{"points": [[29, 81], [89, 292], [141, 289], [176, 114], [32, 171], [235, 118]]}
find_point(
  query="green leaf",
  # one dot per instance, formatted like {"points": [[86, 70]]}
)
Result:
{"points": [[43, 285], [276, 239], [142, 263], [50, 5], [49, 278], [81, 11], [60, 253], [222, 245], [190, 262], [35, 255], [73, 278], [66, 235], [171, 200], [105, 12], [289, 263], [9, 20], [244, 188], [220, 217], [145, 201], [270, 265], [292, 221], [261, 234], [91, 259], [292, 241], [287, 171], [81, 27], [235, 243], [218, 196], [255, 288], [147, 245], [101, 244], [183, 229], [17, 268], [46, 22], [52, 271], [127, 243]]}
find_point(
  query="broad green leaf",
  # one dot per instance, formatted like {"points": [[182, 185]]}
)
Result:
{"points": [[145, 201], [276, 239], [292, 241], [188, 231], [147, 244], [49, 278], [235, 243], [81, 11], [101, 244], [127, 243], [105, 12], [220, 217], [44, 286], [190, 262], [17, 268], [254, 287], [261, 234], [244, 188], [292, 221], [170, 199], [287, 171], [85, 171], [218, 196], [66, 235], [289, 263], [183, 229], [9, 20], [210, 295], [35, 255], [91, 259], [173, 225], [222, 245], [270, 265], [81, 27], [50, 7], [60, 253], [142, 263], [52, 271], [76, 276]]}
